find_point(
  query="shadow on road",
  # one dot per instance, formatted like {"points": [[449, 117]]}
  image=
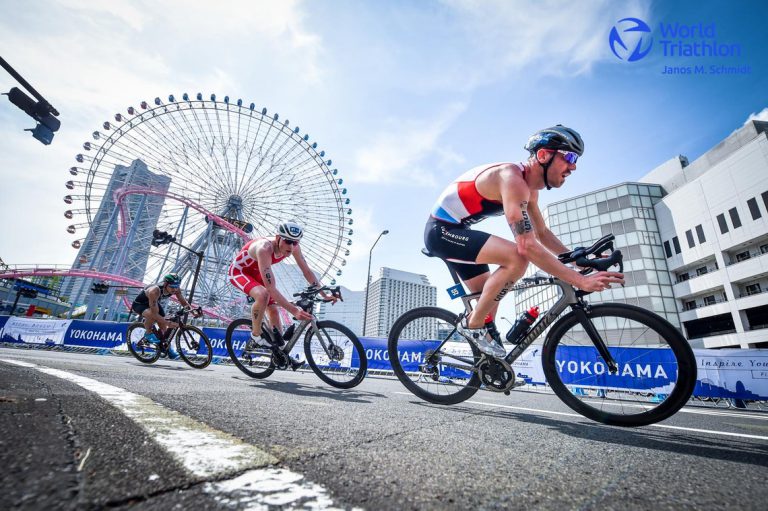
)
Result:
{"points": [[299, 389], [694, 444]]}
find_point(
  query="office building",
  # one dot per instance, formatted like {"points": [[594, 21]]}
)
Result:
{"points": [[394, 293], [348, 312]]}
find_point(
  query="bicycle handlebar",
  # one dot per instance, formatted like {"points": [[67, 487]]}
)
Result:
{"points": [[599, 262], [311, 291]]}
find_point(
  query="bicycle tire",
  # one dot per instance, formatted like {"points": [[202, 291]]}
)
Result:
{"points": [[190, 353], [259, 368], [145, 353], [465, 383], [328, 367], [613, 403]]}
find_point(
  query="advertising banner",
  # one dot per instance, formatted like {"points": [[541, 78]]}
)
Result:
{"points": [[733, 373], [34, 331], [96, 334]]}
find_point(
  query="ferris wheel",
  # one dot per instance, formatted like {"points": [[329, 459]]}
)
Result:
{"points": [[212, 174]]}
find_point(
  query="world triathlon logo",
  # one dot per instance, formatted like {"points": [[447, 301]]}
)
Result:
{"points": [[630, 39]]}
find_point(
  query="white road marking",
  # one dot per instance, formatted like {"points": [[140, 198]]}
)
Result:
{"points": [[551, 412], [208, 453]]}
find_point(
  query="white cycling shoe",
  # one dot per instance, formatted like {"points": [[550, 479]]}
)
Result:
{"points": [[480, 338]]}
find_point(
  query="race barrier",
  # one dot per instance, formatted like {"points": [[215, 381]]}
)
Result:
{"points": [[728, 374]]}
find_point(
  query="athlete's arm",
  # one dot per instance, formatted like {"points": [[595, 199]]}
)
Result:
{"points": [[264, 258], [543, 234], [309, 274], [515, 198]]}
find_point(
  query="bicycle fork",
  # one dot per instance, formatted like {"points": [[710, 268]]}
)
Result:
{"points": [[594, 336]]}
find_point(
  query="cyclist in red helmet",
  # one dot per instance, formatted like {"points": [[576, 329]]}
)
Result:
{"points": [[512, 190]]}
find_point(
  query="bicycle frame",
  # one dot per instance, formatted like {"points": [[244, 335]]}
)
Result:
{"points": [[570, 297]]}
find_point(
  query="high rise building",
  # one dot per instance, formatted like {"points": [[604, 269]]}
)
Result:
{"points": [[348, 312], [101, 249], [694, 238], [394, 293], [713, 224]]}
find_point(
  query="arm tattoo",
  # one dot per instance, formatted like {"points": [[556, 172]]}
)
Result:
{"points": [[268, 276], [523, 226]]}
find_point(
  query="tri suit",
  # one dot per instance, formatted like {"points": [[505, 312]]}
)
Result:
{"points": [[448, 235], [141, 303], [244, 271]]}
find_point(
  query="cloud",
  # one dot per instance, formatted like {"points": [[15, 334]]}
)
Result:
{"points": [[541, 37], [757, 116], [406, 150]]}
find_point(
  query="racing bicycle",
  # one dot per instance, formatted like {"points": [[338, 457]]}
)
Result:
{"points": [[192, 344], [332, 350], [614, 363]]}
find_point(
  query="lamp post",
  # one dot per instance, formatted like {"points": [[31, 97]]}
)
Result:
{"points": [[161, 238], [368, 282]]}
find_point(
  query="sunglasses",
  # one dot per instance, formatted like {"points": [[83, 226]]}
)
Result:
{"points": [[290, 242], [569, 156]]}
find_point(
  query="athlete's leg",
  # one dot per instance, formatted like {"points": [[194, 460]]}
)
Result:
{"points": [[259, 307], [476, 285], [511, 268], [274, 316]]}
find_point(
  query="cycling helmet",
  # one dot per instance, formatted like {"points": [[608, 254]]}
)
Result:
{"points": [[290, 231], [173, 279], [557, 138]]}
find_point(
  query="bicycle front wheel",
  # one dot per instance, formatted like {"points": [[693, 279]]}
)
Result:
{"points": [[143, 350], [194, 347], [256, 363], [656, 366], [335, 354], [442, 374]]}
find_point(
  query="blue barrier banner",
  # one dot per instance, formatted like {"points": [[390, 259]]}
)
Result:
{"points": [[642, 369], [730, 373], [95, 334]]}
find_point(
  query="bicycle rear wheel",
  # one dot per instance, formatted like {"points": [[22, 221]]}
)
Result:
{"points": [[143, 350], [257, 363], [656, 366], [194, 347], [445, 376], [335, 354]]}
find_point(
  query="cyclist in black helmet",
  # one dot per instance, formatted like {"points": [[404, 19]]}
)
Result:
{"points": [[512, 190], [150, 304]]}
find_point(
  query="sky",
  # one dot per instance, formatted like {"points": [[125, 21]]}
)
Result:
{"points": [[404, 96]]}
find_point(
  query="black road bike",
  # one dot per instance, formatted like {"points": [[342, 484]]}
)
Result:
{"points": [[330, 347], [612, 362], [192, 344]]}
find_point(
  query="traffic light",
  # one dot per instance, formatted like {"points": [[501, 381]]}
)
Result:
{"points": [[28, 293], [41, 111], [161, 238], [100, 288]]}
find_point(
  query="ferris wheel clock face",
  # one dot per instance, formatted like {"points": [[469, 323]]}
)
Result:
{"points": [[213, 174]]}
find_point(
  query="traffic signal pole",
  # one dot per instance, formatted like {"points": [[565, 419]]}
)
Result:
{"points": [[41, 111]]}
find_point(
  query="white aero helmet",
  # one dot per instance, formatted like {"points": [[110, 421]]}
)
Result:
{"points": [[290, 231]]}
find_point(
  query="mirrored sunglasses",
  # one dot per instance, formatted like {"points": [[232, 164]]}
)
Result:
{"points": [[290, 242], [569, 156]]}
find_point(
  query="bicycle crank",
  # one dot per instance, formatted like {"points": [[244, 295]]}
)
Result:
{"points": [[496, 375]]}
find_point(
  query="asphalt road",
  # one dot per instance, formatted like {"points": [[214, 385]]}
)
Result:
{"points": [[69, 442]]}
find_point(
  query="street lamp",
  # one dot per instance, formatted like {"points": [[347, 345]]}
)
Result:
{"points": [[368, 282], [162, 238]]}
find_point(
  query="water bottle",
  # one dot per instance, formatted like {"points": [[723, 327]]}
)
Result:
{"points": [[522, 325]]}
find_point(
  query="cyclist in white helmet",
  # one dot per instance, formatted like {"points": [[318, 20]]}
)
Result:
{"points": [[512, 190], [251, 272]]}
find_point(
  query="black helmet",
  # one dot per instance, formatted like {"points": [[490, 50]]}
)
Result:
{"points": [[556, 137]]}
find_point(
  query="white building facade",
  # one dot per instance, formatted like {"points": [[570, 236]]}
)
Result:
{"points": [[349, 312], [394, 293], [713, 223]]}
